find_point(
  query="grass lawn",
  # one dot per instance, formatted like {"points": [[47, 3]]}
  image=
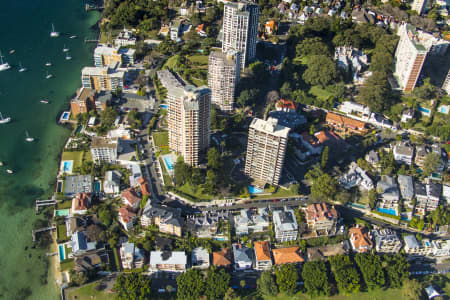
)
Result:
{"points": [[76, 156], [67, 250], [66, 265], [280, 193], [161, 138], [187, 189], [62, 233], [167, 179], [64, 204], [171, 62], [319, 92], [378, 294], [88, 292], [199, 59]]}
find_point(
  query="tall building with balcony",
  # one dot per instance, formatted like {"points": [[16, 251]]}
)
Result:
{"points": [[266, 149], [104, 149], [101, 79], [83, 102], [106, 56], [419, 6], [240, 29], [409, 58], [446, 85], [188, 120], [223, 76]]}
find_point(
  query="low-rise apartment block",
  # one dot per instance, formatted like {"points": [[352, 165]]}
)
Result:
{"points": [[356, 177], [291, 255], [263, 258], [102, 79], [83, 102], [421, 198], [434, 192], [243, 257], [321, 217], [127, 217], [104, 149], [403, 153], [167, 261], [387, 190], [414, 247], [360, 239], [131, 256], [344, 125], [386, 241], [285, 223], [247, 221], [167, 221], [200, 258], [131, 198], [406, 185]]}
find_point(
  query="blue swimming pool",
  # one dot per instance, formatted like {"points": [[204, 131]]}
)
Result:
{"points": [[444, 109], [168, 162], [388, 211], [61, 252], [97, 186], [78, 130], [67, 166], [164, 106], [423, 109], [254, 190], [220, 239], [61, 212], [65, 116]]}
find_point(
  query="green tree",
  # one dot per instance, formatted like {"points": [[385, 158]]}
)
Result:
{"points": [[106, 215], [324, 187], [132, 286], [321, 71], [182, 171], [371, 269], [231, 295], [190, 285], [346, 275], [396, 269], [78, 278], [315, 278], [266, 284], [211, 182], [372, 198], [324, 158], [412, 289], [312, 46], [376, 92], [287, 277], [286, 90], [217, 283], [247, 97], [430, 163], [214, 161]]}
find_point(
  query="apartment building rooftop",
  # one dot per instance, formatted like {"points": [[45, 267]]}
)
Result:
{"points": [[226, 57], [289, 255], [101, 71], [270, 127], [168, 258], [320, 211], [222, 258], [406, 186], [102, 142], [168, 80], [262, 250], [413, 37]]}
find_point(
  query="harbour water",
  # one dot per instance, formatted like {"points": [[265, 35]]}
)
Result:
{"points": [[25, 26]]}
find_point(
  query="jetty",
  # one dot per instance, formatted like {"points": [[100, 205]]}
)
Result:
{"points": [[89, 7], [40, 203], [91, 41], [33, 232]]}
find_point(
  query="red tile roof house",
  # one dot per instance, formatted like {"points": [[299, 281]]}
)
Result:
{"points": [[360, 239], [127, 217], [286, 105], [344, 125], [81, 203], [131, 198], [145, 190]]}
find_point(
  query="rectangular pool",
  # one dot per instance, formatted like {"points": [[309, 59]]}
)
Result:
{"points": [[388, 211], [164, 106], [65, 116], [78, 130], [97, 187], [168, 162], [59, 186], [424, 110], [67, 166], [62, 212], [254, 190], [61, 252]]}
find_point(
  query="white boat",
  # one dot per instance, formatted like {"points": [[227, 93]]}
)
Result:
{"points": [[54, 33], [4, 120], [12, 51], [73, 37], [21, 68], [48, 64], [44, 101], [3, 65], [28, 138], [65, 49], [68, 57], [9, 171], [1, 163], [48, 76]]}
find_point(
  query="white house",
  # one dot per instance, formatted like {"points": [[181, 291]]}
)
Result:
{"points": [[356, 177], [111, 184], [243, 257], [403, 152], [200, 258]]}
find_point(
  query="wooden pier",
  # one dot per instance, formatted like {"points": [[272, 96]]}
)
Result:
{"points": [[91, 41], [40, 203], [89, 7], [33, 232]]}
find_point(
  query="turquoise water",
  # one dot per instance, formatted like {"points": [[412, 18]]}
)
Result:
{"points": [[67, 166], [169, 163], [65, 116], [164, 106], [254, 190], [61, 252], [388, 211], [423, 109], [25, 27], [62, 212], [97, 186]]}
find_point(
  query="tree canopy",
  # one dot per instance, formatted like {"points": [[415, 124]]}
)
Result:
{"points": [[346, 275], [321, 71], [190, 284], [217, 283], [266, 284], [287, 277], [396, 269], [371, 269], [132, 286], [315, 278]]}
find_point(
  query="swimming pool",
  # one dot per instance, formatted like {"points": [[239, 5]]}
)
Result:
{"points": [[164, 106], [388, 211], [62, 212], [61, 252], [78, 130], [168, 162], [59, 186], [254, 190], [65, 116], [97, 186], [424, 110], [219, 239], [67, 166]]}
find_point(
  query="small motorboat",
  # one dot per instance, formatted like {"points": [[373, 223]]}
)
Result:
{"points": [[3, 65], [4, 120], [48, 76], [12, 51], [21, 68], [54, 33], [48, 64], [68, 57], [28, 138], [1, 163], [9, 171], [73, 37], [65, 49]]}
